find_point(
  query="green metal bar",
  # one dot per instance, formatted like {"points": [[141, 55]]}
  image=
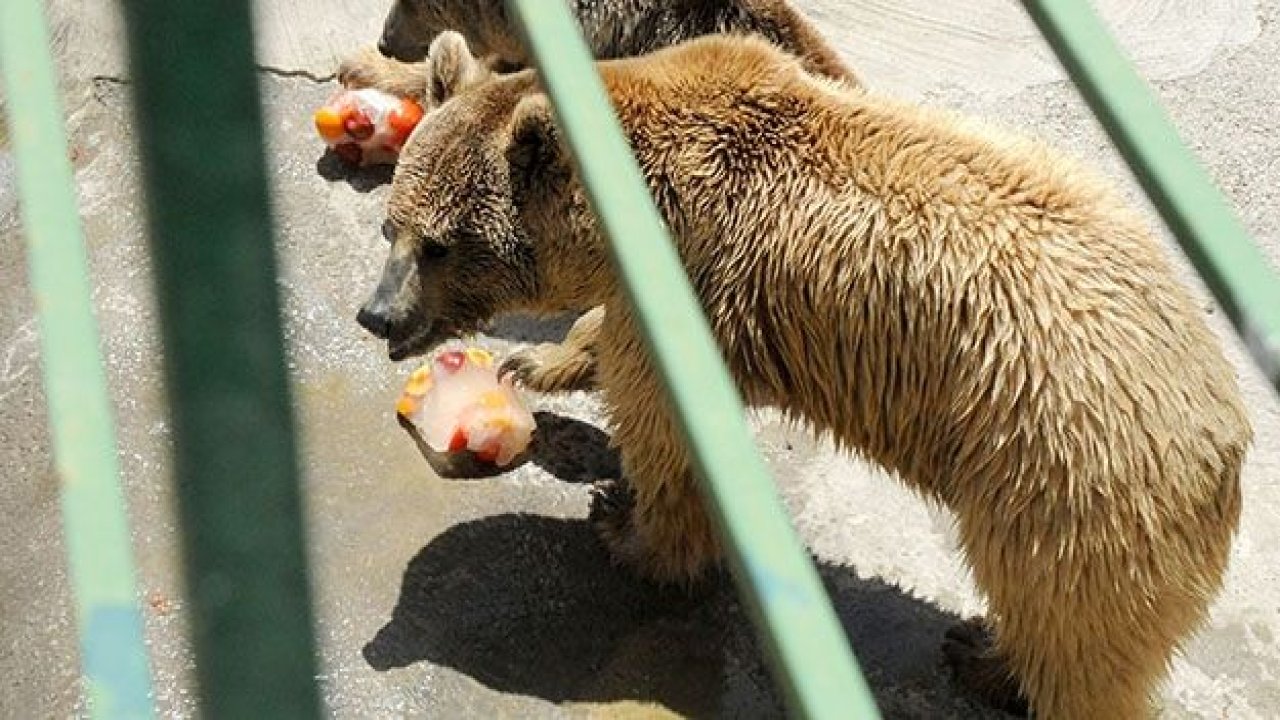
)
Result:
{"points": [[792, 611], [95, 519], [197, 105], [1209, 233]]}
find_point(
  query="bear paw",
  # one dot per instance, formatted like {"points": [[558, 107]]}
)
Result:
{"points": [[611, 505], [661, 554], [980, 670], [368, 68], [362, 69], [550, 368]]}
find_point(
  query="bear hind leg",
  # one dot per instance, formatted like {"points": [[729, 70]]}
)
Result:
{"points": [[1088, 633]]}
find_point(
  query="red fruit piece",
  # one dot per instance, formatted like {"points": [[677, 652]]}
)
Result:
{"points": [[359, 126], [404, 118], [451, 361], [458, 442], [488, 453], [349, 152]]}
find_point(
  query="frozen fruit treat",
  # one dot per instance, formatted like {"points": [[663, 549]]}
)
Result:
{"points": [[457, 404], [367, 126]]}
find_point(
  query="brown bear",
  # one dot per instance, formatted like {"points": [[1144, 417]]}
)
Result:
{"points": [[968, 309], [612, 28]]}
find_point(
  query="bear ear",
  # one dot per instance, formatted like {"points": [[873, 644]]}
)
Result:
{"points": [[534, 142], [451, 68]]}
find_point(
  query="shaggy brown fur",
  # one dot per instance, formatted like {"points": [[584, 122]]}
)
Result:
{"points": [[969, 310], [612, 28]]}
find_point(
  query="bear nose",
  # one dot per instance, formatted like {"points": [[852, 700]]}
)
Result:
{"points": [[374, 318], [397, 50]]}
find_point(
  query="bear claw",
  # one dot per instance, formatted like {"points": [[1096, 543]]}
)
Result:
{"points": [[549, 368], [611, 504], [519, 367]]}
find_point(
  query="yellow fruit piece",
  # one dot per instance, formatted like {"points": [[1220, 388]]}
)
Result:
{"points": [[492, 399], [479, 357], [419, 383], [406, 405], [329, 124]]}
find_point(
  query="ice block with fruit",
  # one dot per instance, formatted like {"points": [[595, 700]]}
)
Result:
{"points": [[367, 126], [457, 403]]}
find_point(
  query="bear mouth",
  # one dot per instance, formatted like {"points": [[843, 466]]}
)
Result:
{"points": [[422, 341], [417, 343]]}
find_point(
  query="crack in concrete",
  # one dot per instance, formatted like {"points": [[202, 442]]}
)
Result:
{"points": [[266, 69], [306, 74]]}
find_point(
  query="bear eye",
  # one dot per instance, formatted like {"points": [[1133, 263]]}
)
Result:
{"points": [[434, 249]]}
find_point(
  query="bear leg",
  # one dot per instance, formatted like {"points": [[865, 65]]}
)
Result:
{"points": [[655, 524]]}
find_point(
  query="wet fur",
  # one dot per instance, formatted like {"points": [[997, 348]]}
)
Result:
{"points": [[970, 310]]}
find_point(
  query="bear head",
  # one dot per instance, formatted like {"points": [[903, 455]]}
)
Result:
{"points": [[412, 25], [476, 217]]}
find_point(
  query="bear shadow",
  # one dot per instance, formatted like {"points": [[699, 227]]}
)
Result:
{"points": [[361, 179], [533, 605]]}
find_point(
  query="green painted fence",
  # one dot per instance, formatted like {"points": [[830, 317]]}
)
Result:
{"points": [[113, 656], [236, 464], [195, 90]]}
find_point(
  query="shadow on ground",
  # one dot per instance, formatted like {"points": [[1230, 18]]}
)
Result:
{"points": [[532, 605], [366, 179]]}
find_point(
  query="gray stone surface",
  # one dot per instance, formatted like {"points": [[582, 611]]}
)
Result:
{"points": [[454, 598]]}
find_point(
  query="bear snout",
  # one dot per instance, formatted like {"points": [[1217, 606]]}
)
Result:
{"points": [[376, 319], [401, 37], [398, 51]]}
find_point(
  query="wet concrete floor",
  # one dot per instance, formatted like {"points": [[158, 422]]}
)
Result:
{"points": [[491, 598]]}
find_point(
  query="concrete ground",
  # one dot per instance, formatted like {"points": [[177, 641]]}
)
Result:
{"points": [[490, 598]]}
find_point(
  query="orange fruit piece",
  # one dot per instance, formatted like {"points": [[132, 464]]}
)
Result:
{"points": [[492, 399], [420, 382], [329, 123]]}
